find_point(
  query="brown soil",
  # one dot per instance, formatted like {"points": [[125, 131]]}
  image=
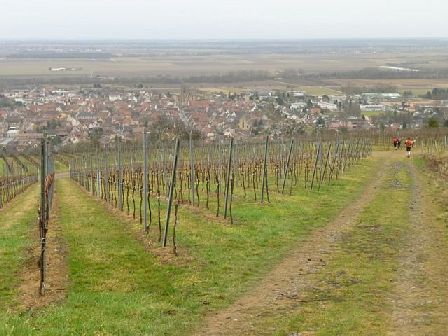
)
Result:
{"points": [[56, 281], [286, 284], [420, 300]]}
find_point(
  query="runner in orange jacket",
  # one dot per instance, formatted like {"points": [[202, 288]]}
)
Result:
{"points": [[409, 144]]}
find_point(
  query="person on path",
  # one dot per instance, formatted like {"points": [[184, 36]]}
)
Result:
{"points": [[409, 143], [395, 142]]}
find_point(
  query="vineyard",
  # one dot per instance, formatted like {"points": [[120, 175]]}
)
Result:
{"points": [[16, 175], [211, 177], [235, 237]]}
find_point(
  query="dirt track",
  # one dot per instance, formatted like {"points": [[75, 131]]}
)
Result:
{"points": [[287, 282], [418, 301]]}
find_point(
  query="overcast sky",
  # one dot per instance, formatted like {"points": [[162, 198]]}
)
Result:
{"points": [[224, 19]]}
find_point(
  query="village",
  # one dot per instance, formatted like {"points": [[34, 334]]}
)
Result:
{"points": [[101, 114]]}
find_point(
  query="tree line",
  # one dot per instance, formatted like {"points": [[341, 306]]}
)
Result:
{"points": [[437, 94]]}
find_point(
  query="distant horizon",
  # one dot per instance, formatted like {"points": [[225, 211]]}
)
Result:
{"points": [[223, 20], [243, 39]]}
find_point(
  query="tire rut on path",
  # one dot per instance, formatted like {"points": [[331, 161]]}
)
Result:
{"points": [[287, 282], [419, 301]]}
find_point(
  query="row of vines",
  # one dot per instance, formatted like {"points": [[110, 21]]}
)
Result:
{"points": [[145, 180], [17, 173]]}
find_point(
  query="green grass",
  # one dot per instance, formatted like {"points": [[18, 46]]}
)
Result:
{"points": [[352, 290], [118, 288], [60, 167], [372, 113], [16, 221]]}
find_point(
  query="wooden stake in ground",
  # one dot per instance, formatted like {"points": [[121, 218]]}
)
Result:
{"points": [[229, 168], [120, 175], [192, 174], [145, 184], [264, 184], [42, 217], [171, 193], [319, 148], [287, 165], [176, 211]]}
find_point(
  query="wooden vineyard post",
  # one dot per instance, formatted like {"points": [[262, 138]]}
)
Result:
{"points": [[334, 162], [99, 176], [90, 174], [264, 184], [120, 175], [163, 177], [324, 171], [42, 216], [287, 165], [171, 193], [207, 187], [159, 221], [176, 211], [106, 174], [319, 148], [145, 183], [232, 185], [229, 168], [218, 190], [47, 169], [192, 173]]}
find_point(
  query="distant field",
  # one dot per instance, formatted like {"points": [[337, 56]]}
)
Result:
{"points": [[418, 91], [282, 67], [193, 65], [417, 86], [372, 113]]}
